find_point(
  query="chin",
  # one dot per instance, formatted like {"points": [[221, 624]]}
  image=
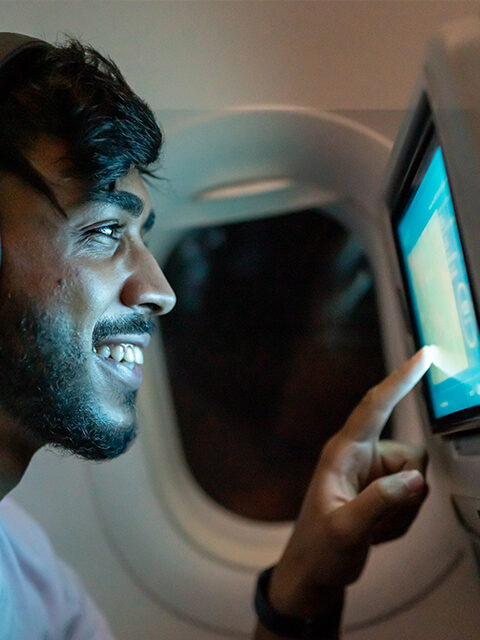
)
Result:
{"points": [[97, 444], [91, 431]]}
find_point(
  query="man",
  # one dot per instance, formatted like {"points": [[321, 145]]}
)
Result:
{"points": [[78, 294]]}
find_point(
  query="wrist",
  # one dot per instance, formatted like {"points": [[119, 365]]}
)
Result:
{"points": [[291, 593], [298, 618]]}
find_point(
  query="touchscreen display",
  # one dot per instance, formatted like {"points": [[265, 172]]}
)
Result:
{"points": [[440, 294]]}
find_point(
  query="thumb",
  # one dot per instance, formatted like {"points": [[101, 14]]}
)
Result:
{"points": [[377, 501]]}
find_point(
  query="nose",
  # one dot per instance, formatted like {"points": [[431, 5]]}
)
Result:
{"points": [[146, 290]]}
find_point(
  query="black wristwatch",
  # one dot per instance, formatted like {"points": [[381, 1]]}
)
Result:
{"points": [[326, 626]]}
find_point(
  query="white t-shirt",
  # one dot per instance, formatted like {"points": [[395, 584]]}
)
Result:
{"points": [[41, 598]]}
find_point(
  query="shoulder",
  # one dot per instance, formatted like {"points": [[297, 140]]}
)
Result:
{"points": [[27, 555], [44, 583], [22, 531]]}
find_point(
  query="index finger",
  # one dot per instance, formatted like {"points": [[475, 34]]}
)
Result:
{"points": [[369, 417]]}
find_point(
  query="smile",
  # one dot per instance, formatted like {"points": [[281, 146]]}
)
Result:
{"points": [[123, 361], [127, 354]]}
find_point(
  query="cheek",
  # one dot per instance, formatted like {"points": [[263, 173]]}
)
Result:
{"points": [[31, 257], [40, 274], [82, 288], [92, 290], [51, 283]]}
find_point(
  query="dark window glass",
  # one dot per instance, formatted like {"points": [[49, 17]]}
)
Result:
{"points": [[274, 339]]}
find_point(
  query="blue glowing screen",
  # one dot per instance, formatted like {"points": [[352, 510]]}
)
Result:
{"points": [[440, 292]]}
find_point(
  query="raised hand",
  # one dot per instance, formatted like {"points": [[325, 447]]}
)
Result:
{"points": [[364, 491]]}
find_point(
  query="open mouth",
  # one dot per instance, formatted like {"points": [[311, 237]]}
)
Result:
{"points": [[127, 354], [124, 360]]}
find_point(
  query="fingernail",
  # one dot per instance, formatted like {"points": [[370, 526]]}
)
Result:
{"points": [[427, 355], [426, 351], [413, 480], [403, 484]]}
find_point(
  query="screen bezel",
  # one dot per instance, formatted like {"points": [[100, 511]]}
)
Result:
{"points": [[427, 142]]}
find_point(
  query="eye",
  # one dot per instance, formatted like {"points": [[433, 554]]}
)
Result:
{"points": [[111, 231], [149, 222]]}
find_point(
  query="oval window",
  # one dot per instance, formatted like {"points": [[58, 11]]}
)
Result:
{"points": [[274, 339]]}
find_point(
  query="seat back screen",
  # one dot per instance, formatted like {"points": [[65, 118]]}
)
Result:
{"points": [[440, 298]]}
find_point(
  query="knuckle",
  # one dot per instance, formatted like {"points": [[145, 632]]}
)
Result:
{"points": [[417, 454], [418, 450], [334, 449]]}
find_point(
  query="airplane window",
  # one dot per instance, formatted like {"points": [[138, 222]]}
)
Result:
{"points": [[274, 339]]}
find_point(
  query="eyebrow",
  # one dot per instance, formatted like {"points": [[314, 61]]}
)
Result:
{"points": [[123, 199]]}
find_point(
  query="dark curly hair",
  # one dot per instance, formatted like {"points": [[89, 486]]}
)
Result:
{"points": [[73, 92]]}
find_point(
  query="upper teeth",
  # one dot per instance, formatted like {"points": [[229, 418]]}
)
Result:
{"points": [[128, 353]]}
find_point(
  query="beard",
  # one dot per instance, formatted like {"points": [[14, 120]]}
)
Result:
{"points": [[45, 382]]}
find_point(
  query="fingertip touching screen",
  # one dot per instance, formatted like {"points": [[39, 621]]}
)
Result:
{"points": [[438, 291]]}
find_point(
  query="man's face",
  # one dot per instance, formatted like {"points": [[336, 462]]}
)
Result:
{"points": [[77, 297]]}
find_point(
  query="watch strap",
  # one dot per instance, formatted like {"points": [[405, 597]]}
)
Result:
{"points": [[324, 627]]}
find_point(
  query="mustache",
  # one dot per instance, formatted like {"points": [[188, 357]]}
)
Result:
{"points": [[131, 324]]}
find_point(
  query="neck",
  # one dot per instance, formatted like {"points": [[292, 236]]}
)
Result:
{"points": [[16, 451]]}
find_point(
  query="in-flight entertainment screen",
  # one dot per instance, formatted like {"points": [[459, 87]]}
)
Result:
{"points": [[437, 285]]}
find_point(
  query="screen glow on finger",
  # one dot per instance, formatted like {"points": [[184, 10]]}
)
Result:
{"points": [[403, 379], [369, 418]]}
